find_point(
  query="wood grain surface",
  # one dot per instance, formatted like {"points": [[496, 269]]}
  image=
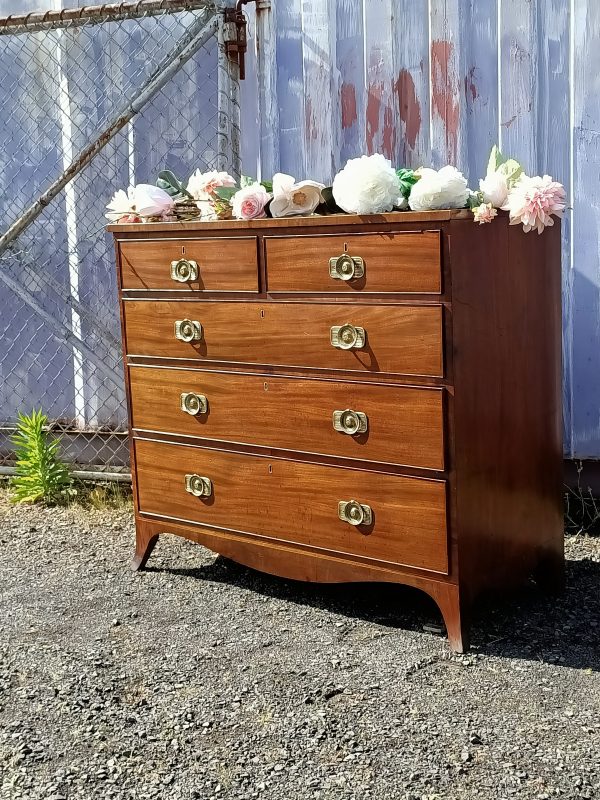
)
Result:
{"points": [[394, 262], [405, 425], [228, 265], [401, 339], [298, 502]]}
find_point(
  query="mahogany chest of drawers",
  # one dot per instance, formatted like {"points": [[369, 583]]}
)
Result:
{"points": [[350, 398]]}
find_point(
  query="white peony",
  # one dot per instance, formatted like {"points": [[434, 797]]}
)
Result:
{"points": [[367, 185], [494, 188], [445, 188], [294, 199]]}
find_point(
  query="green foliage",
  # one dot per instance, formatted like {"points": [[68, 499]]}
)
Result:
{"points": [[41, 475], [407, 178], [172, 185], [508, 167], [226, 192]]}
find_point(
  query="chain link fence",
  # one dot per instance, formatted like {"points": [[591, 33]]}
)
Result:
{"points": [[93, 99]]}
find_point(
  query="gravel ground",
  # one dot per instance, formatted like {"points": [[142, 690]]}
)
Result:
{"points": [[200, 679]]}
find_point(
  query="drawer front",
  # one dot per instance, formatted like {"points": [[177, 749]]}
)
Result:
{"points": [[404, 425], [298, 502], [389, 262], [222, 265], [399, 339]]}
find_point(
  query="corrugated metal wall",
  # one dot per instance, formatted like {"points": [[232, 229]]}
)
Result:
{"points": [[437, 81]]}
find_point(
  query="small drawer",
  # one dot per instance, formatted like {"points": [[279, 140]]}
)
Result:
{"points": [[391, 424], [382, 262], [213, 265], [400, 339], [398, 520]]}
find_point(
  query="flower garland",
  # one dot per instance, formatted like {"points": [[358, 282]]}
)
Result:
{"points": [[366, 185]]}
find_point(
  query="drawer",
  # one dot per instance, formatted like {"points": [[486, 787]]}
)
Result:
{"points": [[405, 425], [389, 262], [222, 265], [400, 339], [298, 502]]}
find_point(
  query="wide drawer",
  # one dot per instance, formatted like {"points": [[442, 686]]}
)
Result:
{"points": [[222, 265], [400, 339], [383, 262], [404, 425], [298, 502]]}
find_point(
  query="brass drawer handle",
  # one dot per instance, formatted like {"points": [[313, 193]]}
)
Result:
{"points": [[355, 513], [346, 268], [188, 330], [184, 270], [198, 485], [350, 422], [193, 403], [348, 337]]}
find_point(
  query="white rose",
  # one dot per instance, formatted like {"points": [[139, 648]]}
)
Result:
{"points": [[446, 188], [367, 185], [294, 199], [494, 188]]}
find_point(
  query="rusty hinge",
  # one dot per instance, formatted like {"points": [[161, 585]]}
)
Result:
{"points": [[234, 36]]}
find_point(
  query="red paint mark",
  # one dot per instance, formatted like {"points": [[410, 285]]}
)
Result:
{"points": [[445, 94], [410, 108], [348, 99], [310, 122], [389, 133], [373, 111], [470, 85]]}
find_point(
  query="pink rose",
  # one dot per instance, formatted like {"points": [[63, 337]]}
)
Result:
{"points": [[250, 202]]}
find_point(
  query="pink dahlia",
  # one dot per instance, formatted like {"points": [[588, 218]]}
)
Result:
{"points": [[533, 201], [484, 213]]}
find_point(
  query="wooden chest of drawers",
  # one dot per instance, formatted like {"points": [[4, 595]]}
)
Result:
{"points": [[350, 399]]}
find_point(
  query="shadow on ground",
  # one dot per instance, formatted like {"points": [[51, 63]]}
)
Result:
{"points": [[563, 630]]}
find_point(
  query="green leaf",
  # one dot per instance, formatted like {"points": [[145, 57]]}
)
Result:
{"points": [[511, 170], [40, 474], [407, 178], [329, 202], [268, 186], [171, 184], [226, 192], [246, 180], [475, 199]]}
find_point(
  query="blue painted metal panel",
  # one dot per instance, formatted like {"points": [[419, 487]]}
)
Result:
{"points": [[431, 81]]}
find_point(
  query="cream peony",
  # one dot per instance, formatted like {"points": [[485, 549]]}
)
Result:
{"points": [[532, 202], [367, 185], [294, 199], [494, 188], [250, 202], [202, 185], [446, 188], [484, 213]]}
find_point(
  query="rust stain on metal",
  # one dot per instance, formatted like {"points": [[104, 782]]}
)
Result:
{"points": [[375, 92], [445, 94], [410, 108], [470, 85], [348, 103], [389, 133]]}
